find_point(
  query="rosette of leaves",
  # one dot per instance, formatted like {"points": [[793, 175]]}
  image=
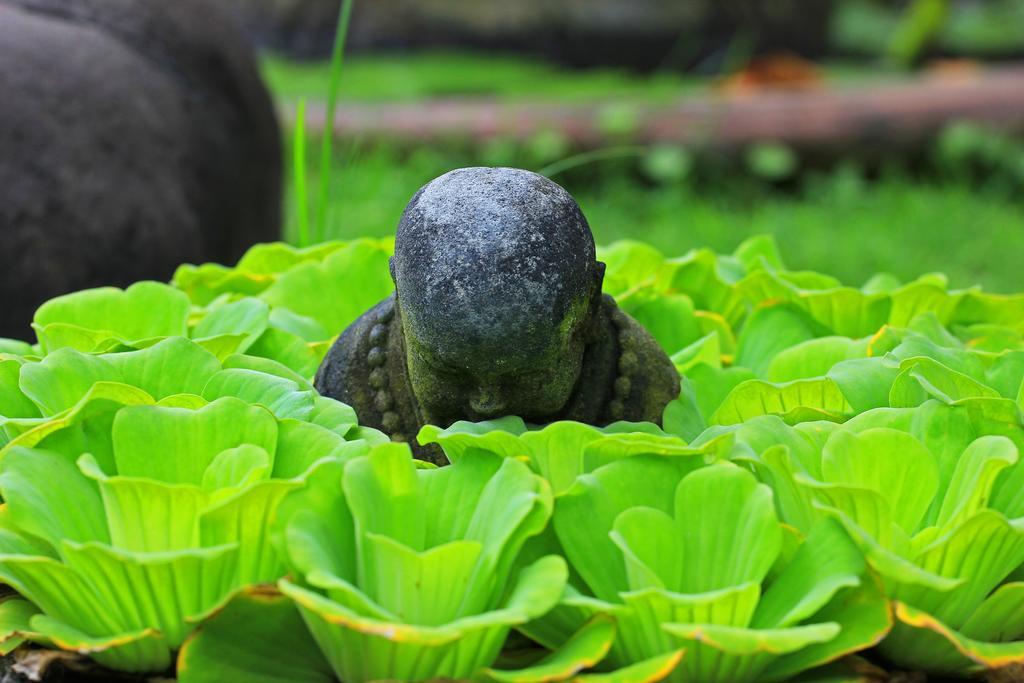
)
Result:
{"points": [[260, 636], [562, 451], [430, 590], [123, 552], [68, 390], [281, 303], [140, 498], [695, 560], [294, 301], [755, 276], [256, 270], [938, 512], [784, 366], [751, 337], [407, 573], [15, 348]]}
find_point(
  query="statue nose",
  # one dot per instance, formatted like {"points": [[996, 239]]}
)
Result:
{"points": [[487, 401]]}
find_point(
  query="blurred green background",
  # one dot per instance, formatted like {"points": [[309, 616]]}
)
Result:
{"points": [[952, 205]]}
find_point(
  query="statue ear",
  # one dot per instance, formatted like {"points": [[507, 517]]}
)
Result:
{"points": [[599, 278], [391, 267], [593, 329]]}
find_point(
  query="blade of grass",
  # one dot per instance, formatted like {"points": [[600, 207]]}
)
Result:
{"points": [[922, 22], [585, 158], [326, 144], [352, 153], [299, 174]]}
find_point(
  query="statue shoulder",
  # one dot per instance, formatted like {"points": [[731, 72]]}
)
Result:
{"points": [[647, 379], [343, 374]]}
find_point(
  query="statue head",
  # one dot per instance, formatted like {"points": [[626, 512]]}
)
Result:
{"points": [[497, 283]]}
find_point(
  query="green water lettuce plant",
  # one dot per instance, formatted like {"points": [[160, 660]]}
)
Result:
{"points": [[885, 418], [935, 507], [600, 474], [258, 636], [255, 271], [139, 493], [782, 368], [751, 337], [558, 453], [70, 388], [410, 574], [261, 636], [562, 451], [696, 560], [124, 548], [279, 302], [98, 319], [946, 555]]}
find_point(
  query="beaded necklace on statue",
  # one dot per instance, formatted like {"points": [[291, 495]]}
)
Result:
{"points": [[377, 357], [627, 365]]}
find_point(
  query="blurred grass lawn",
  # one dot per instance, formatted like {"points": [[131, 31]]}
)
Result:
{"points": [[454, 74], [438, 74], [836, 223]]}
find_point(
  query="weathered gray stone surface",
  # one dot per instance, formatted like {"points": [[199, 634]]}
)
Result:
{"points": [[506, 253], [136, 135], [498, 311]]}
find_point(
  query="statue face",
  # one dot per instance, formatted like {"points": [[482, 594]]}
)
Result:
{"points": [[452, 386]]}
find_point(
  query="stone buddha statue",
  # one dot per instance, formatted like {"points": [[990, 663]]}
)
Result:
{"points": [[497, 311]]}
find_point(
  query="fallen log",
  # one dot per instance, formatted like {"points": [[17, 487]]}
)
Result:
{"points": [[863, 117]]}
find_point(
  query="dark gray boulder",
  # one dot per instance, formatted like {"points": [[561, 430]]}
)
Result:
{"points": [[136, 135], [300, 28]]}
